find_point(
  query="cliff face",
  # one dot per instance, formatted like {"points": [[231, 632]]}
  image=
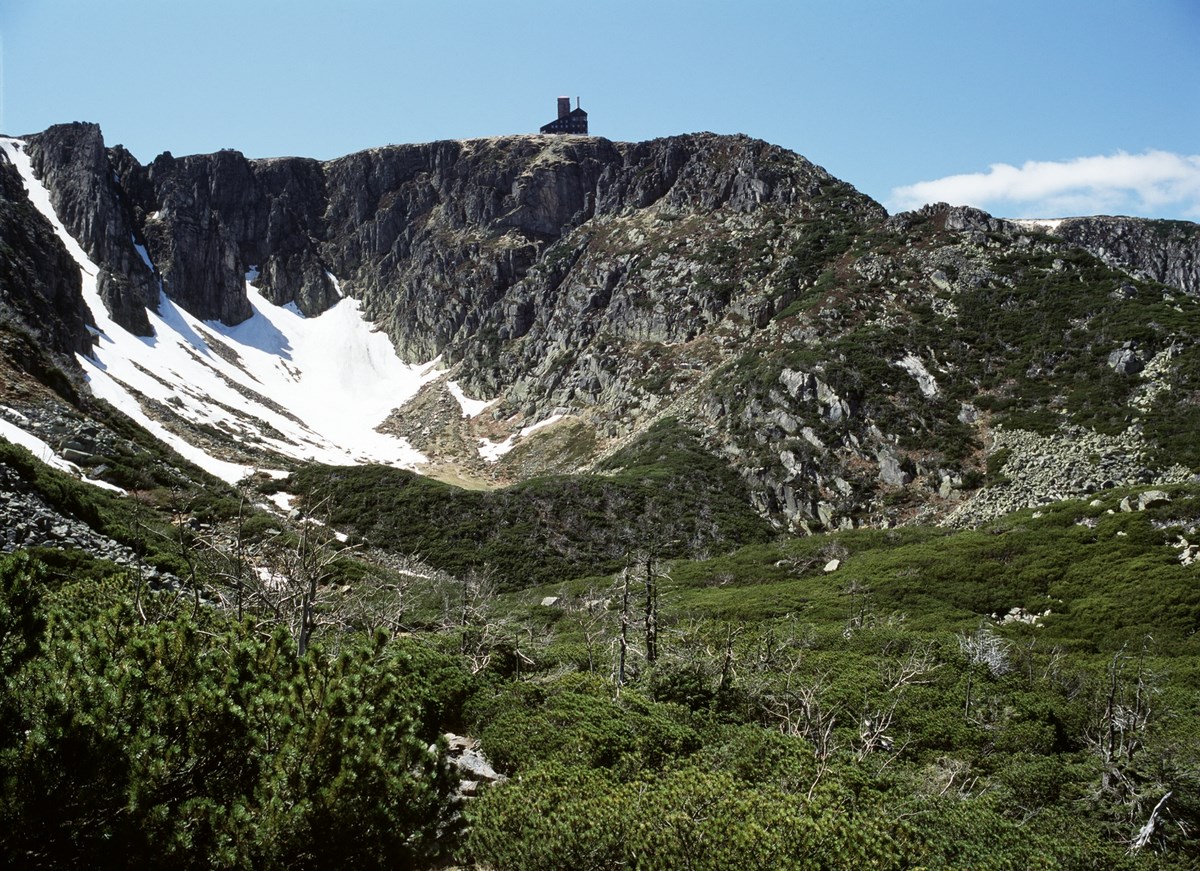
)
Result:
{"points": [[853, 367], [39, 282], [430, 236], [504, 254], [1165, 251], [91, 202]]}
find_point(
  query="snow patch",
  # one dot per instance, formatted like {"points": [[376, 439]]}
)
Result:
{"points": [[470, 407], [492, 451], [271, 579], [1050, 225], [337, 285], [142, 252], [283, 501], [912, 364]]}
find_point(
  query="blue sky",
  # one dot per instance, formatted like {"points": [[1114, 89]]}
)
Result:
{"points": [[1026, 109]]}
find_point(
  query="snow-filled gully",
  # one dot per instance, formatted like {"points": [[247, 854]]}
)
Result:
{"points": [[305, 388]]}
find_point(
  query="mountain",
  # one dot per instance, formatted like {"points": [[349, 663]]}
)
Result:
{"points": [[548, 299], [333, 493]]}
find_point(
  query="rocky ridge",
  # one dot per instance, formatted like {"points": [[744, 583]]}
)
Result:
{"points": [[89, 199], [39, 284]]}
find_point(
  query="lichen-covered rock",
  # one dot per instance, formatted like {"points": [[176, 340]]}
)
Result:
{"points": [[1126, 360]]}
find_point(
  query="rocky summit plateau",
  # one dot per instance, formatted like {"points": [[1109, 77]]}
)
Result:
{"points": [[562, 294]]}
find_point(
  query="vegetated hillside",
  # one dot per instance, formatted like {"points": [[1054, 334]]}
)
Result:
{"points": [[1019, 695], [741, 347], [931, 733], [664, 494]]}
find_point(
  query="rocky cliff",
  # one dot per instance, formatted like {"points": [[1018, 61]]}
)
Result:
{"points": [[854, 367], [39, 284], [1164, 251], [92, 203]]}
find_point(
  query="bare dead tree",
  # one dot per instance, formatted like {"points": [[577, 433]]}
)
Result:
{"points": [[873, 726], [292, 584], [913, 669], [468, 609], [590, 615], [231, 568], [623, 635], [651, 611], [986, 647], [862, 609], [727, 659], [1125, 712], [1146, 832], [1124, 715], [797, 708]]}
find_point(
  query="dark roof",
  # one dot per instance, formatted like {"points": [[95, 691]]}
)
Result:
{"points": [[576, 117]]}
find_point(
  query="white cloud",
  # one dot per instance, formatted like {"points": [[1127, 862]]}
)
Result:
{"points": [[1154, 184]]}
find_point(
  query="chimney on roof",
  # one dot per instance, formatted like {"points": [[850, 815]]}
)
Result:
{"points": [[564, 107]]}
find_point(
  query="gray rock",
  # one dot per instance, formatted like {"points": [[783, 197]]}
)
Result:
{"points": [[1164, 251], [41, 286], [71, 161], [1152, 499], [891, 470], [1126, 361]]}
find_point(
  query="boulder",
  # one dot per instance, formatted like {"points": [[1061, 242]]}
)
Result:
{"points": [[1126, 361], [891, 469], [1152, 499]]}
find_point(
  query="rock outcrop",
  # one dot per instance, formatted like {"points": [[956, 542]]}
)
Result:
{"points": [[1038, 470], [70, 159], [1165, 251], [431, 237]]}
